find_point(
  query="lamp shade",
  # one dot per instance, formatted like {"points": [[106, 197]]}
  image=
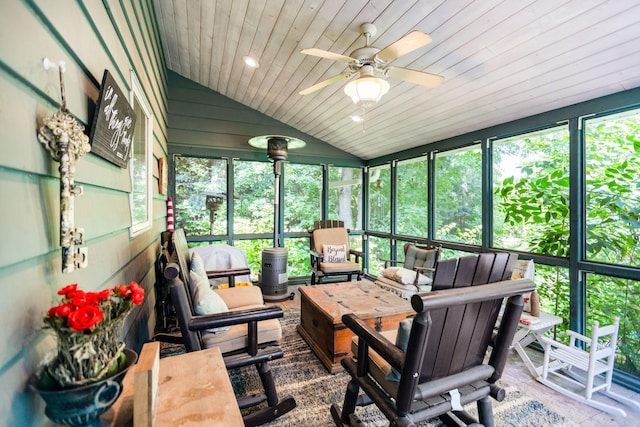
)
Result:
{"points": [[366, 90]]}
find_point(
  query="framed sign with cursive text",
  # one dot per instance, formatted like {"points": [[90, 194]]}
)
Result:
{"points": [[114, 122]]}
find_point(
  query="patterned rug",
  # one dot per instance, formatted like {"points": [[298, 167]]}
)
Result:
{"points": [[301, 375]]}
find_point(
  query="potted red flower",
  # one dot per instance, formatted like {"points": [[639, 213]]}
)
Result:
{"points": [[89, 352]]}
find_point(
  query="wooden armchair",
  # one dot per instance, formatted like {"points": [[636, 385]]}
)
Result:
{"points": [[424, 375], [416, 271], [246, 331], [330, 252]]}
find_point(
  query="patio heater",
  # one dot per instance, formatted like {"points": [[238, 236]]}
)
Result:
{"points": [[273, 275]]}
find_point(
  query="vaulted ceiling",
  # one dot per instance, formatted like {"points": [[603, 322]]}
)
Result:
{"points": [[501, 60]]}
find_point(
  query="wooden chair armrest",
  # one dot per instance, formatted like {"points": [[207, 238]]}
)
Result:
{"points": [[168, 338], [420, 269], [573, 336], [357, 254], [230, 273], [209, 321], [365, 333], [216, 274], [316, 254]]}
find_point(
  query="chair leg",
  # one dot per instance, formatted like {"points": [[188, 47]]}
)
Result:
{"points": [[350, 400], [276, 407], [485, 412], [268, 383], [313, 279]]}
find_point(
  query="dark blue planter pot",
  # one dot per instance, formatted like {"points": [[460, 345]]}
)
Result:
{"points": [[81, 406]]}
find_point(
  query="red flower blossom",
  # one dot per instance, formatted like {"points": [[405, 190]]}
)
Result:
{"points": [[61, 310], [95, 298], [69, 290], [121, 290], [137, 297], [80, 299], [84, 318]]}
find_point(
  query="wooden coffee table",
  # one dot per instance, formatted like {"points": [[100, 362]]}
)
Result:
{"points": [[322, 307]]}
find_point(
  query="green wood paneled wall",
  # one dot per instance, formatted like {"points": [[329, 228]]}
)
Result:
{"points": [[90, 36], [205, 123]]}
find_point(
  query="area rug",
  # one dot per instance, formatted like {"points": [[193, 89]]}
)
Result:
{"points": [[301, 375]]}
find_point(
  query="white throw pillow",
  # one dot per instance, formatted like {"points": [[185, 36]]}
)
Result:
{"points": [[206, 301], [197, 265], [408, 277], [334, 253], [390, 272]]}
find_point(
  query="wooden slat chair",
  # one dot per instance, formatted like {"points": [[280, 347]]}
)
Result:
{"points": [[591, 369], [332, 232], [425, 375], [253, 331], [415, 274]]}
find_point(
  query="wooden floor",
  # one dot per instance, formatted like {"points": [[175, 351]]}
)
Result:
{"points": [[517, 373]]}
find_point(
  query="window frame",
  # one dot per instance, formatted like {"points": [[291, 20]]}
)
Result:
{"points": [[137, 95]]}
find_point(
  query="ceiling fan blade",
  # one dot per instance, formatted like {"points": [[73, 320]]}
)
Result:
{"points": [[409, 43], [417, 77], [325, 83], [328, 55]]}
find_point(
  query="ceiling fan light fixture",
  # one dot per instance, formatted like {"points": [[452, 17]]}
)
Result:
{"points": [[366, 90]]}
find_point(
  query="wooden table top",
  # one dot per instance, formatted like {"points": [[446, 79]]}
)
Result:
{"points": [[194, 390], [362, 297]]}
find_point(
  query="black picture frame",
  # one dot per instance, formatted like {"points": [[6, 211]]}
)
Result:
{"points": [[114, 122]]}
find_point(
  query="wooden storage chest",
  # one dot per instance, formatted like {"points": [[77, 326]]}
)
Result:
{"points": [[322, 307]]}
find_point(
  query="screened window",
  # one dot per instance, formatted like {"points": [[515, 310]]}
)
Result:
{"points": [[531, 192], [140, 168], [253, 197], [302, 202], [298, 260], [345, 196], [412, 197], [613, 188], [379, 250], [610, 297], [380, 198], [458, 195], [200, 203]]}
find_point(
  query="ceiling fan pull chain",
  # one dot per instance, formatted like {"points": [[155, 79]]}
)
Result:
{"points": [[364, 119]]}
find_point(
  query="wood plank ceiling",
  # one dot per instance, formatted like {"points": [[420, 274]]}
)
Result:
{"points": [[501, 60]]}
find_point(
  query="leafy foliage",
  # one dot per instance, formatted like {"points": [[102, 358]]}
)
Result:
{"points": [[458, 194], [534, 201]]}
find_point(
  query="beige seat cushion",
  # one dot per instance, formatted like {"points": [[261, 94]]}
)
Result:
{"points": [[236, 337], [241, 296], [339, 267]]}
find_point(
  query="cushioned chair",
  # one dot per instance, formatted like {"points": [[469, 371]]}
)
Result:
{"points": [[330, 252], [234, 319], [423, 375], [415, 273], [591, 369]]}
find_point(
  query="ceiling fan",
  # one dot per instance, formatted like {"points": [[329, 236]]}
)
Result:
{"points": [[371, 65]]}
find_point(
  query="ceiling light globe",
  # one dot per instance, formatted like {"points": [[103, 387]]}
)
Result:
{"points": [[250, 62], [366, 90]]}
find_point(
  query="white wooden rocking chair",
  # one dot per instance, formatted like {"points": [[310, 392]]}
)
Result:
{"points": [[591, 369]]}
